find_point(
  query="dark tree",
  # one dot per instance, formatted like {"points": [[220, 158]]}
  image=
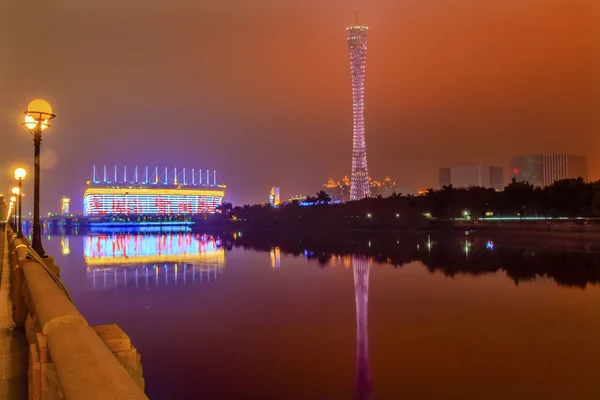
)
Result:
{"points": [[323, 197]]}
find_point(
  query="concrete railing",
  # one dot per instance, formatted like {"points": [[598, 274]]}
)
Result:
{"points": [[67, 358]]}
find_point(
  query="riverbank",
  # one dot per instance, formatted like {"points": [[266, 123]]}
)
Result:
{"points": [[13, 344], [564, 230], [535, 233], [64, 357]]}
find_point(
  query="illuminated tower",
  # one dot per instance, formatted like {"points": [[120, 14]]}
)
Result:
{"points": [[274, 197], [361, 293], [64, 208], [357, 45]]}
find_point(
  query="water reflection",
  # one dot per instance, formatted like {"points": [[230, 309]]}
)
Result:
{"points": [[360, 266], [136, 260], [64, 245], [275, 257], [148, 249], [579, 266], [563, 261], [424, 327], [153, 276]]}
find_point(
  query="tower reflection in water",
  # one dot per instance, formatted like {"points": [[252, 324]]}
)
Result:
{"points": [[275, 254], [137, 260], [360, 267], [64, 246]]}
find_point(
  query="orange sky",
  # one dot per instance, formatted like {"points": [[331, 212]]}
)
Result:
{"points": [[260, 91]]}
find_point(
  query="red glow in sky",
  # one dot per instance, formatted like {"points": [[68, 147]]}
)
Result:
{"points": [[260, 90]]}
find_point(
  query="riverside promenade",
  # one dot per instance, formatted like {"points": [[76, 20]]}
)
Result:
{"points": [[13, 343], [47, 349]]}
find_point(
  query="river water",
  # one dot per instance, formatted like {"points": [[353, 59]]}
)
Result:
{"points": [[266, 316]]}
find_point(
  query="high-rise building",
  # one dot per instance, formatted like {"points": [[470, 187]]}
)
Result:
{"points": [[472, 175], [274, 199], [445, 179], [340, 190], [383, 189], [345, 188], [545, 169], [357, 45], [64, 207], [334, 190], [497, 178], [563, 166], [527, 169]]}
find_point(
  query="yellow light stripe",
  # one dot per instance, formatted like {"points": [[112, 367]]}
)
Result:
{"points": [[217, 257]]}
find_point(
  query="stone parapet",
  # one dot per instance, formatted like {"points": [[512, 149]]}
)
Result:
{"points": [[47, 301], [67, 358]]}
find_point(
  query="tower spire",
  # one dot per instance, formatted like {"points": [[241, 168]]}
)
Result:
{"points": [[356, 17]]}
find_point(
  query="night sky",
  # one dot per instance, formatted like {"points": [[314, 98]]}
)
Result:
{"points": [[260, 90]]}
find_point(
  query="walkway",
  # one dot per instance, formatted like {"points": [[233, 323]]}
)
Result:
{"points": [[13, 345]]}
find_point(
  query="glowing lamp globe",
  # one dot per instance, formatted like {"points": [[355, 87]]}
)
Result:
{"points": [[15, 191], [13, 199], [39, 106], [20, 173], [38, 113]]}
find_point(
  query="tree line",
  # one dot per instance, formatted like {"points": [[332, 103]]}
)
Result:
{"points": [[564, 198]]}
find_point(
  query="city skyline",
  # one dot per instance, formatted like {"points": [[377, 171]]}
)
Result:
{"points": [[444, 88], [545, 169]]}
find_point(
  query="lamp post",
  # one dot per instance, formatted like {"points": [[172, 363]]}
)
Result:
{"points": [[37, 119], [17, 194], [20, 174], [13, 201]]}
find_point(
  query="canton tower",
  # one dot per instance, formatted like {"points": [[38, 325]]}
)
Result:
{"points": [[357, 45]]}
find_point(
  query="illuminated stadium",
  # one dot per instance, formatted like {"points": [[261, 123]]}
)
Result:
{"points": [[153, 192]]}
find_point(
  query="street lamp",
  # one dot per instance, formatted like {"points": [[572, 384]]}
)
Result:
{"points": [[17, 192], [13, 201], [37, 119], [467, 215], [20, 174]]}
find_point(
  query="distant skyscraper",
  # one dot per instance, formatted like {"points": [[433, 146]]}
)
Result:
{"points": [[384, 189], [445, 178], [527, 169], [563, 166], [497, 178], [274, 199], [340, 190], [545, 169], [472, 175], [64, 207], [333, 189], [357, 45]]}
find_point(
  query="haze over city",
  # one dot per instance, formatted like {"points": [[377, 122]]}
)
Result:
{"points": [[260, 91], [299, 199]]}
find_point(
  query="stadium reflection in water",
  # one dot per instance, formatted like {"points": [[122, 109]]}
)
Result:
{"points": [[136, 260]]}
